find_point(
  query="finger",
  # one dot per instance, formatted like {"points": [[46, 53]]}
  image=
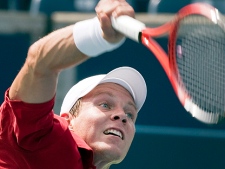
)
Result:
{"points": [[123, 9], [108, 32], [106, 6], [105, 23], [118, 7]]}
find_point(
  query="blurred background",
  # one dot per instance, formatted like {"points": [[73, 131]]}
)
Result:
{"points": [[167, 137]]}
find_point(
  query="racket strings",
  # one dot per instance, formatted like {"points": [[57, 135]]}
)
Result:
{"points": [[201, 63]]}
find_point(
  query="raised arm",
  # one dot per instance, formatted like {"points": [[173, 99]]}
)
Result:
{"points": [[37, 80]]}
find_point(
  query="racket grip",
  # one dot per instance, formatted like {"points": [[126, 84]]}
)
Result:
{"points": [[128, 26]]}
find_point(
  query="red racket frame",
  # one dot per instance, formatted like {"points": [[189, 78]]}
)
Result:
{"points": [[168, 60]]}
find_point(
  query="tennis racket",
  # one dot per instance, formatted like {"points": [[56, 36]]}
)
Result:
{"points": [[195, 61]]}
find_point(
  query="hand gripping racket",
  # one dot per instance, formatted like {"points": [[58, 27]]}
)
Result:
{"points": [[195, 63]]}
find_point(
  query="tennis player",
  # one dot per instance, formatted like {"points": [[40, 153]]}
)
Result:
{"points": [[96, 125]]}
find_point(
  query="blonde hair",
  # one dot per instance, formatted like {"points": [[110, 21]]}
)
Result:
{"points": [[75, 108]]}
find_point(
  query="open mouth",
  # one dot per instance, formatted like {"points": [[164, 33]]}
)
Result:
{"points": [[114, 132]]}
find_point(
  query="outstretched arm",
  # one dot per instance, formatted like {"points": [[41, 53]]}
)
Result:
{"points": [[37, 80]]}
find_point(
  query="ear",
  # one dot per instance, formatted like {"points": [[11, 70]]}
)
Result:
{"points": [[67, 117]]}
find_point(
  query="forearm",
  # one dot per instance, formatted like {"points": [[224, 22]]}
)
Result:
{"points": [[55, 52], [36, 82]]}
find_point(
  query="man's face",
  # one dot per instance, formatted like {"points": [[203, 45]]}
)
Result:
{"points": [[106, 121]]}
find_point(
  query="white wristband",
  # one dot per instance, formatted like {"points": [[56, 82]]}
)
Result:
{"points": [[88, 38]]}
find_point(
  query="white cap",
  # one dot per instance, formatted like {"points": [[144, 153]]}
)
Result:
{"points": [[127, 77]]}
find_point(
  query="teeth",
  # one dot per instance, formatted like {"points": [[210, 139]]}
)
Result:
{"points": [[114, 132]]}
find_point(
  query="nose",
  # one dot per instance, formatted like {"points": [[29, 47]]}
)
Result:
{"points": [[123, 118]]}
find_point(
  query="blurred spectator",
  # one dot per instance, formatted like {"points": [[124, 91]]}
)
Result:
{"points": [[21, 5], [166, 6], [49, 6], [85, 5]]}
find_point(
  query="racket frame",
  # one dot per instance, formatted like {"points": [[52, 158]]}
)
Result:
{"points": [[142, 34]]}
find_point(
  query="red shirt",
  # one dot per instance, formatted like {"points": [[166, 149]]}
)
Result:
{"points": [[33, 137]]}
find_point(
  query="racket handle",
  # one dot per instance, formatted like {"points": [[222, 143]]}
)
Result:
{"points": [[128, 26]]}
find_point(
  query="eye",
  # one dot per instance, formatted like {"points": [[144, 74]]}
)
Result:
{"points": [[130, 116], [105, 105]]}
